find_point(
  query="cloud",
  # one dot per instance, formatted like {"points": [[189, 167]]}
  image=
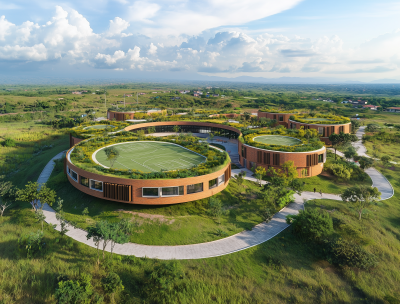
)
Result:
{"points": [[117, 26]]}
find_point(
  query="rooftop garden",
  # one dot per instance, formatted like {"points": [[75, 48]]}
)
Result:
{"points": [[309, 140], [320, 119], [216, 159], [97, 128]]}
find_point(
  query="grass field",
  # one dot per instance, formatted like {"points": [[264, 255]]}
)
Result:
{"points": [[151, 157], [277, 140], [317, 119]]}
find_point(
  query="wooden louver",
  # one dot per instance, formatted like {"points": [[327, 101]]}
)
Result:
{"points": [[118, 192], [312, 160]]}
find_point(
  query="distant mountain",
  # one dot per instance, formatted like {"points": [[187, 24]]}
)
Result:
{"points": [[386, 81]]}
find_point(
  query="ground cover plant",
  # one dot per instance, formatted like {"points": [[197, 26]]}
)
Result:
{"points": [[277, 140], [313, 118]]}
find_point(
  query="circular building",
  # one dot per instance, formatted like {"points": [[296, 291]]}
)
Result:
{"points": [[149, 171], [324, 124], [273, 150], [282, 117], [124, 115]]}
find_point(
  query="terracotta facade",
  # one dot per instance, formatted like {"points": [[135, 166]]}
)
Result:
{"points": [[324, 130], [281, 118], [308, 163]]}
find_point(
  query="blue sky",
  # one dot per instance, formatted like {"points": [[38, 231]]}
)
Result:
{"points": [[352, 40]]}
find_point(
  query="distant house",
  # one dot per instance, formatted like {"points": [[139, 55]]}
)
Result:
{"points": [[154, 92], [215, 95], [77, 93], [196, 95], [142, 93], [345, 101], [129, 95], [393, 109], [362, 102], [371, 107]]}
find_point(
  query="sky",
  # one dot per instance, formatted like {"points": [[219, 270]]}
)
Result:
{"points": [[349, 40]]}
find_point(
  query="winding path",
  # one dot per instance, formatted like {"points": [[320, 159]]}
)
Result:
{"points": [[243, 240]]}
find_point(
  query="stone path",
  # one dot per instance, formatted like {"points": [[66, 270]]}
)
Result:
{"points": [[243, 240]]}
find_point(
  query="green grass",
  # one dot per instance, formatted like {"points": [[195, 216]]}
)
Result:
{"points": [[277, 140], [318, 119], [151, 157], [98, 127]]}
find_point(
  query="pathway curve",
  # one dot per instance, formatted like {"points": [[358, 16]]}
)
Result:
{"points": [[243, 240]]}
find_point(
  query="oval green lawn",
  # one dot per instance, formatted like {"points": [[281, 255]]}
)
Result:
{"points": [[149, 156], [277, 140]]}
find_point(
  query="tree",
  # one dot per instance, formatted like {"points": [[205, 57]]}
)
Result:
{"points": [[37, 196], [283, 177], [340, 139], [140, 134], [7, 195], [355, 124], [211, 136], [85, 212], [119, 233], [260, 172], [372, 127], [386, 160], [151, 130], [350, 152], [215, 208], [311, 224], [75, 291], [266, 214], [361, 197], [112, 154], [176, 129], [60, 216], [365, 162], [9, 142], [111, 284], [240, 178], [94, 233], [246, 115]]}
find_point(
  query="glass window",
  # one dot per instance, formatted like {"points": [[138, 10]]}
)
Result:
{"points": [[96, 185], [169, 191], [74, 175], [321, 131], [84, 181], [320, 158], [305, 172], [194, 188], [280, 117], [213, 183], [152, 192], [181, 190], [221, 179]]}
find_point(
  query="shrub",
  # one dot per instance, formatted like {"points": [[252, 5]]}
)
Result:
{"points": [[342, 253], [340, 171], [311, 224], [74, 291], [31, 244], [9, 142], [112, 283]]}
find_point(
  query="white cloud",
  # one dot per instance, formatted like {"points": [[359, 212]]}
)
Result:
{"points": [[117, 26]]}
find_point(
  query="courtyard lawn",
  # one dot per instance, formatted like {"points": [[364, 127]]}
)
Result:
{"points": [[277, 140], [99, 127], [151, 157]]}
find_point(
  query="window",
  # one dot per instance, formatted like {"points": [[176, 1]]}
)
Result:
{"points": [[84, 181], [280, 117], [276, 159], [304, 172], [259, 157], [194, 188], [320, 158], [150, 192], [321, 131], [96, 185], [169, 191], [267, 158], [73, 175], [213, 183], [221, 179]]}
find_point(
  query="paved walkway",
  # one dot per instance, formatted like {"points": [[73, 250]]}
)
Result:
{"points": [[243, 240]]}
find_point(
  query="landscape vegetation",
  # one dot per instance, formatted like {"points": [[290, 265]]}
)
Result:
{"points": [[334, 251]]}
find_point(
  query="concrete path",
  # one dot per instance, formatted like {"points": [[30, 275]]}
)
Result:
{"points": [[243, 240]]}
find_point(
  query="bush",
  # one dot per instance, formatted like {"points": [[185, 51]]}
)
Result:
{"points": [[112, 283], [164, 281], [342, 253], [31, 244], [311, 224], [340, 171], [9, 142], [75, 291]]}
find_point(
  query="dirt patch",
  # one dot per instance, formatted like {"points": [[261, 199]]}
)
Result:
{"points": [[153, 217]]}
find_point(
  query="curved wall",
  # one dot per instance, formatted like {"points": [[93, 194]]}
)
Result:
{"points": [[281, 118], [308, 163], [120, 116], [323, 130], [130, 190], [73, 140]]}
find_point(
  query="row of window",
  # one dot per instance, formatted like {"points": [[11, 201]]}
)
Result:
{"points": [[151, 191], [321, 130], [90, 183], [179, 190], [193, 129]]}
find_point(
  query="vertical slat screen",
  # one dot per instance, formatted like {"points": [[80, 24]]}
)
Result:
{"points": [[118, 192]]}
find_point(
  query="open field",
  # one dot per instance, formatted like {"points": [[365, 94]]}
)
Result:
{"points": [[277, 140], [151, 157]]}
